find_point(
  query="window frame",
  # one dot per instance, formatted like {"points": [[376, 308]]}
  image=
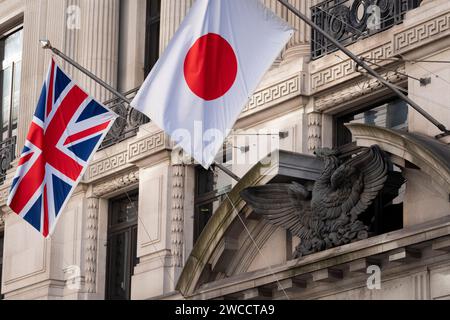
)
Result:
{"points": [[129, 229], [5, 64], [152, 42], [341, 118]]}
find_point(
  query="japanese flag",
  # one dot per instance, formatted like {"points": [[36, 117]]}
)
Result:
{"points": [[209, 71]]}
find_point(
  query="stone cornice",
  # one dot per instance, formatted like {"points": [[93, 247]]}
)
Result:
{"points": [[137, 149], [274, 94], [331, 74], [124, 181], [422, 33], [333, 100]]}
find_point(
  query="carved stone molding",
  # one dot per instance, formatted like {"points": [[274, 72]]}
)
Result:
{"points": [[2, 220], [120, 161], [106, 166], [124, 181], [363, 87], [314, 131], [147, 146], [91, 245], [178, 214], [329, 75], [4, 193], [422, 33], [275, 94]]}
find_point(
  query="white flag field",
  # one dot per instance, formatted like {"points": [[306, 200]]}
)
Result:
{"points": [[209, 71]]}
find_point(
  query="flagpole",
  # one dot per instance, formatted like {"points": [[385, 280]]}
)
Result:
{"points": [[48, 46], [363, 65]]}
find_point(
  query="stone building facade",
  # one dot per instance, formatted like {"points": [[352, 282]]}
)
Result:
{"points": [[144, 223]]}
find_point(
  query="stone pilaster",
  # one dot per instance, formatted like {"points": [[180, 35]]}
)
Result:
{"points": [[172, 13], [178, 176], [91, 240], [2, 220], [72, 33], [99, 44], [41, 19], [314, 131], [299, 43]]}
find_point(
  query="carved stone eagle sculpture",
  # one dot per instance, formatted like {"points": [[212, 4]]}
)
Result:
{"points": [[327, 216]]}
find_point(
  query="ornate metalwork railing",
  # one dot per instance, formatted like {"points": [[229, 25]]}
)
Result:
{"points": [[129, 122], [350, 20], [7, 155]]}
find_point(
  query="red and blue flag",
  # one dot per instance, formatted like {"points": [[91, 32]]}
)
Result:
{"points": [[67, 129]]}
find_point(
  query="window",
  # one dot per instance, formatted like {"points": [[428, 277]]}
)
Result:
{"points": [[1, 263], [10, 57], [122, 245], [204, 199], [392, 114], [386, 212], [152, 34]]}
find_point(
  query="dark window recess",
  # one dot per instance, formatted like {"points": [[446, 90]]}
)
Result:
{"points": [[204, 199], [386, 212], [392, 114], [122, 245], [152, 34], [1, 263]]}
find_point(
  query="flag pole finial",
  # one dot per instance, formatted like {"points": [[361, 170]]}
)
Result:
{"points": [[45, 44]]}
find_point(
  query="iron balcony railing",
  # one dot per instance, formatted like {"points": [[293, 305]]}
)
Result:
{"points": [[7, 155], [129, 122], [351, 20]]}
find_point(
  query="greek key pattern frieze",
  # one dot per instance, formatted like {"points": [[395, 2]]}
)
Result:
{"points": [[146, 145], [346, 68], [276, 93], [105, 166], [422, 33]]}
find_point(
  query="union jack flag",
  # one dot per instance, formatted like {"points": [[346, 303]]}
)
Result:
{"points": [[67, 129]]}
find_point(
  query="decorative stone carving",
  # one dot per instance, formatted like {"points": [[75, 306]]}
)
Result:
{"points": [[274, 94], [368, 85], [330, 74], [91, 245], [2, 220], [146, 146], [178, 214], [124, 159], [121, 182], [107, 165], [314, 131], [327, 216], [422, 33]]}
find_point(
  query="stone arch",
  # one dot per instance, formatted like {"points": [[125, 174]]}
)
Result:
{"points": [[405, 149], [426, 153]]}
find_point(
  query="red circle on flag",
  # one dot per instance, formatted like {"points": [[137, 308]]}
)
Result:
{"points": [[210, 67]]}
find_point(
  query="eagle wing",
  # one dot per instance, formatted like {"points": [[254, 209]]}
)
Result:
{"points": [[283, 205], [363, 177]]}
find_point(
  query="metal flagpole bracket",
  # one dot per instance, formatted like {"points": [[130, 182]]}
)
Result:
{"points": [[45, 44], [361, 64]]}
